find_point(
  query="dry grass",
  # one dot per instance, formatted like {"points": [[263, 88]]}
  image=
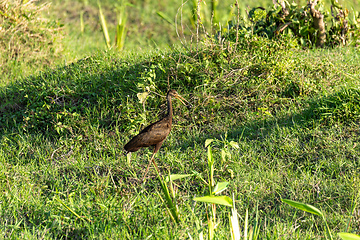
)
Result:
{"points": [[28, 41]]}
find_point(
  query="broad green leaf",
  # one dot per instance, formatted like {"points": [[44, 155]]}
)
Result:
{"points": [[221, 186], [304, 207], [295, 21], [304, 31], [349, 236], [234, 144], [221, 200], [208, 141], [142, 96], [177, 176], [302, 41]]}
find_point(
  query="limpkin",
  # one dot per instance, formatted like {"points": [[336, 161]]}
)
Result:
{"points": [[156, 133]]}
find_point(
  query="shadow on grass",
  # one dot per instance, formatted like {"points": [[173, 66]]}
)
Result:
{"points": [[340, 107], [98, 91]]}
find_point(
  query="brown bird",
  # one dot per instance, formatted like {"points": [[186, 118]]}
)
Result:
{"points": [[156, 133]]}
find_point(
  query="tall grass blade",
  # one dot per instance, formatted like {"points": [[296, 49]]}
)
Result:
{"points": [[246, 225], [214, 4], [104, 27], [354, 205], [234, 223], [121, 30], [172, 208], [327, 229], [211, 229], [82, 27], [165, 17], [256, 225], [211, 170], [72, 211], [194, 16]]}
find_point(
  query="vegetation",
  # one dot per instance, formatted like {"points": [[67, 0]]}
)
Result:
{"points": [[27, 40], [275, 126], [309, 24]]}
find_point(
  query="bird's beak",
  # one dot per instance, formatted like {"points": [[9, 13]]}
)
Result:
{"points": [[183, 100]]}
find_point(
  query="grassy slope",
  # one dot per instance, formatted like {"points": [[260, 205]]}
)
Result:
{"points": [[62, 132]]}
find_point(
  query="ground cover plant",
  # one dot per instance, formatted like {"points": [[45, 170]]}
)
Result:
{"points": [[267, 124]]}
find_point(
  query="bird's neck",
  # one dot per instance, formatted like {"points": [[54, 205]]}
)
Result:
{"points": [[169, 106]]}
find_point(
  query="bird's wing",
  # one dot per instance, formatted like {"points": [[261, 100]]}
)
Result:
{"points": [[154, 133], [149, 136]]}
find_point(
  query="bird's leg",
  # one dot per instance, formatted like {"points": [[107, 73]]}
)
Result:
{"points": [[147, 169]]}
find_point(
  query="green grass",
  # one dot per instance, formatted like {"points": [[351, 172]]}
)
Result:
{"points": [[294, 114], [63, 172]]}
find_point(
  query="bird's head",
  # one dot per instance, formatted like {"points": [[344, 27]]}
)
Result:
{"points": [[173, 93]]}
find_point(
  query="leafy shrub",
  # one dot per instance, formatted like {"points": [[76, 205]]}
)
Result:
{"points": [[298, 23], [27, 41]]}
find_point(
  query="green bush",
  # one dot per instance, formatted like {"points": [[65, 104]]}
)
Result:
{"points": [[297, 24]]}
